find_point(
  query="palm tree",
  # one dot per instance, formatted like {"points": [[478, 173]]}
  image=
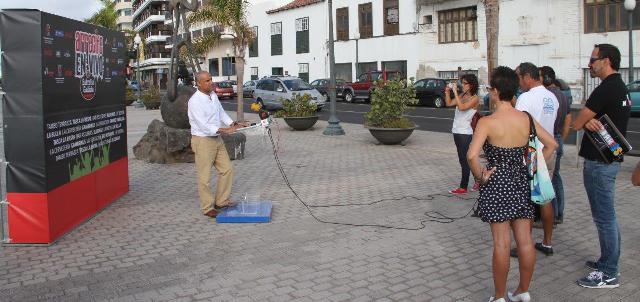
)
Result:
{"points": [[107, 16], [492, 14], [228, 14]]}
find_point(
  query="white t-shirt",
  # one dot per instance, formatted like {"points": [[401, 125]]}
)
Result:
{"points": [[542, 104]]}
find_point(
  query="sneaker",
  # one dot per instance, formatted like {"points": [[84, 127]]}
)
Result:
{"points": [[492, 299], [559, 220], [476, 187], [592, 265], [547, 250], [524, 297], [598, 279], [458, 191], [514, 252]]}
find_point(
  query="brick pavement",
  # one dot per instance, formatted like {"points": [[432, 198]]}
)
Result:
{"points": [[154, 245]]}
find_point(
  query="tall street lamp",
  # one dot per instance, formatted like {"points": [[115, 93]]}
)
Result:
{"points": [[334, 127], [357, 37], [630, 5], [136, 44], [228, 52]]}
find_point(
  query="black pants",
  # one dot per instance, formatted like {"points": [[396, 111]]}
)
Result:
{"points": [[462, 142]]}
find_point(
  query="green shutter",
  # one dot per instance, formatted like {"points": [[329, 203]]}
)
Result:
{"points": [[302, 41], [276, 45]]}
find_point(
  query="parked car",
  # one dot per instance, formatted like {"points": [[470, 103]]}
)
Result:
{"points": [[634, 93], [248, 88], [430, 92], [223, 89], [234, 84], [322, 85], [271, 91], [133, 84], [363, 87]]}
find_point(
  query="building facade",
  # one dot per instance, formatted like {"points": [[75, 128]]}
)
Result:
{"points": [[436, 38], [125, 10], [149, 22]]}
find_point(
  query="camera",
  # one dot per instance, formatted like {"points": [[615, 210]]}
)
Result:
{"points": [[451, 85]]}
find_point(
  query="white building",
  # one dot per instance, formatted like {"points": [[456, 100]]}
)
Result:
{"points": [[124, 10], [149, 21], [433, 38]]}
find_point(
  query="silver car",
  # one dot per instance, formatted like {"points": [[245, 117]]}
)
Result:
{"points": [[270, 92], [248, 88]]}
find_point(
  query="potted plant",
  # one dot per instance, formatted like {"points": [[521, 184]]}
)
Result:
{"points": [[151, 98], [389, 101], [130, 96], [299, 112]]}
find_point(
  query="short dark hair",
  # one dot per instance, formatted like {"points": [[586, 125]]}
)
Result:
{"points": [[473, 82], [505, 80], [610, 52], [527, 68], [548, 75]]}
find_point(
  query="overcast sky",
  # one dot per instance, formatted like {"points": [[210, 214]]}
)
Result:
{"points": [[74, 9]]}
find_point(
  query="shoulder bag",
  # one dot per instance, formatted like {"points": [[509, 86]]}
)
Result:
{"points": [[541, 187]]}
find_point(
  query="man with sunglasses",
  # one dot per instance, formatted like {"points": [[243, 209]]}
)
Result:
{"points": [[611, 98]]}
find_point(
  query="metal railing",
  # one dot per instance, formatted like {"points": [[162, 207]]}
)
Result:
{"points": [[4, 203]]}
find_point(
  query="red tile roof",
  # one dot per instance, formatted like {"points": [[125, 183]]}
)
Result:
{"points": [[294, 4]]}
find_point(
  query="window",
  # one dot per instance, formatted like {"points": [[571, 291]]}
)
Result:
{"points": [[253, 46], [343, 71], [453, 74], [458, 25], [229, 66], [254, 73], [400, 66], [214, 67], [342, 23], [276, 38], [391, 18], [302, 35], [127, 12], [365, 17], [608, 15], [277, 71], [303, 72], [366, 67]]}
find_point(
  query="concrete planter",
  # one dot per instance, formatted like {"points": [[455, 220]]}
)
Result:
{"points": [[301, 123], [390, 136]]}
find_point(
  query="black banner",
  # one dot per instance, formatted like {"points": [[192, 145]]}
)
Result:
{"points": [[76, 96]]}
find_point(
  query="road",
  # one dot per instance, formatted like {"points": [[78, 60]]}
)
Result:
{"points": [[429, 119]]}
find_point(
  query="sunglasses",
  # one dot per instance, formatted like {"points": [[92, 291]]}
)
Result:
{"points": [[593, 60]]}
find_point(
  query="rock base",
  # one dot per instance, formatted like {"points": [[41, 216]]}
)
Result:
{"points": [[165, 145]]}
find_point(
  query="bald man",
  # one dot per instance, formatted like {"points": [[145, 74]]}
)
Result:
{"points": [[208, 122]]}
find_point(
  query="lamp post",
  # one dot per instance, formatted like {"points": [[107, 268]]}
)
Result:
{"points": [[334, 127], [228, 65], [630, 5], [136, 44], [357, 38]]}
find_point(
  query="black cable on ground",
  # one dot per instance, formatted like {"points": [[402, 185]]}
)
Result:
{"points": [[433, 216]]}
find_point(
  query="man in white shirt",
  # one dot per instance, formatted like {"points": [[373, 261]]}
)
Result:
{"points": [[208, 121], [542, 104]]}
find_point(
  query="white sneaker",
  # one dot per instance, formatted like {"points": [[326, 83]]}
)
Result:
{"points": [[499, 300], [524, 297]]}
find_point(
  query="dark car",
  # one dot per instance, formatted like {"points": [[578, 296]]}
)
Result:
{"points": [[634, 93], [430, 92], [322, 85], [223, 89], [363, 87]]}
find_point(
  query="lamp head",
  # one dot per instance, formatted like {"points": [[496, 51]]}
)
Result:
{"points": [[137, 40], [629, 5], [228, 52], [356, 36]]}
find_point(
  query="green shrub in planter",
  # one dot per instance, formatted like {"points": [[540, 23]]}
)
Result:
{"points": [[298, 106], [130, 96], [151, 98], [389, 101]]}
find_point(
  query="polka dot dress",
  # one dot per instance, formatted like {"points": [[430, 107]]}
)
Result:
{"points": [[507, 195]]}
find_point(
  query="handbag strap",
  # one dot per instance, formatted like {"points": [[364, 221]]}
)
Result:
{"points": [[532, 127]]}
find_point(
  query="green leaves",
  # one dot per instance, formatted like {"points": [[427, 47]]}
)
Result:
{"points": [[389, 101], [107, 16], [298, 106]]}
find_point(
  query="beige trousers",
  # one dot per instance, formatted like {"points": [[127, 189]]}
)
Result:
{"points": [[210, 151]]}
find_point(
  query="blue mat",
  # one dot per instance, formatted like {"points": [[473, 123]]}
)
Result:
{"points": [[250, 212]]}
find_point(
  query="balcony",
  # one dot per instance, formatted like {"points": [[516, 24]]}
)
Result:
{"points": [[139, 6], [156, 36], [149, 17]]}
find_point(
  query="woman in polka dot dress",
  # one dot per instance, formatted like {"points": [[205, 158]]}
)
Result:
{"points": [[505, 196]]}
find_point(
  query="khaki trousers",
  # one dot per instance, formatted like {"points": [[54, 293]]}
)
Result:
{"points": [[210, 151]]}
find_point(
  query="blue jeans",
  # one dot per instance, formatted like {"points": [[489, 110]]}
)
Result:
{"points": [[556, 180], [599, 182]]}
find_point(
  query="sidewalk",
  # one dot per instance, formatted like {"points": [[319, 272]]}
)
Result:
{"points": [[154, 244]]}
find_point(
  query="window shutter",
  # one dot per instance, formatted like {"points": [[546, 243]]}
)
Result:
{"points": [[342, 23]]}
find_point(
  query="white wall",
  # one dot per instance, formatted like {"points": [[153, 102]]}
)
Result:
{"points": [[289, 60]]}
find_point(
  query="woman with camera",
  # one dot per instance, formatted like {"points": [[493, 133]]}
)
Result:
{"points": [[466, 106]]}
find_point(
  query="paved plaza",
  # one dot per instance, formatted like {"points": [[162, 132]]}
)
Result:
{"points": [[153, 244]]}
